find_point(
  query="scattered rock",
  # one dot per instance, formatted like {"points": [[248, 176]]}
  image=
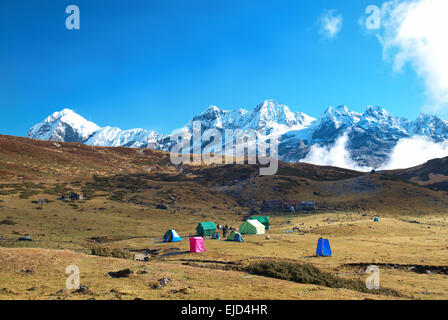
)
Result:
{"points": [[83, 290], [27, 272], [120, 274], [162, 283], [183, 291], [61, 292], [25, 238], [7, 291], [8, 222], [142, 257]]}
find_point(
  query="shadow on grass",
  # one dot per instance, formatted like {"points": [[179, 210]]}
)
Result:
{"points": [[175, 253]]}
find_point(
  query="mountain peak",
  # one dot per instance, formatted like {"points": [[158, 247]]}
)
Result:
{"points": [[211, 109], [268, 103], [64, 125], [339, 116], [377, 110]]}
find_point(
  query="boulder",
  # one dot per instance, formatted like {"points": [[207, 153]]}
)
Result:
{"points": [[25, 238], [161, 283], [162, 207], [120, 274]]}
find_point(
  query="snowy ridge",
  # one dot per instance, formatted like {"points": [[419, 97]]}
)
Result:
{"points": [[369, 137]]}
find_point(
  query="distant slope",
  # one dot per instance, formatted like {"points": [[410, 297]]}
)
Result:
{"points": [[147, 177], [30, 159], [432, 174]]}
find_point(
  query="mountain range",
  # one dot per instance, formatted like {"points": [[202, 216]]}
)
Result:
{"points": [[370, 136]]}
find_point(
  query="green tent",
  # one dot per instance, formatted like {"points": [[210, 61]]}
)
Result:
{"points": [[206, 229], [252, 227], [264, 220], [235, 236]]}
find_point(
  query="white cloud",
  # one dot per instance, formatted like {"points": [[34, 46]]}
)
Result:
{"points": [[330, 24], [411, 152], [336, 155], [415, 32]]}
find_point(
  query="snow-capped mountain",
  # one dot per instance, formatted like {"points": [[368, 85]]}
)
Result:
{"points": [[62, 126], [430, 126], [371, 136], [115, 137], [269, 116], [67, 126]]}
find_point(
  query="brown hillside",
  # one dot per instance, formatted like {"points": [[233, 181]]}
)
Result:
{"points": [[147, 177], [433, 174]]}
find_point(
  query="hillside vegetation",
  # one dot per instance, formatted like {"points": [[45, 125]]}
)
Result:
{"points": [[133, 196]]}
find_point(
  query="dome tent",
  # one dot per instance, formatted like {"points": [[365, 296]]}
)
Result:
{"points": [[252, 227], [235, 236], [171, 236]]}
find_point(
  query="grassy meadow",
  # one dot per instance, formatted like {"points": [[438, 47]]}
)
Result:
{"points": [[122, 218]]}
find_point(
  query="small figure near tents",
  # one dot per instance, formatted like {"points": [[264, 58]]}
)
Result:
{"points": [[197, 245], [323, 248], [171, 236], [206, 229], [252, 227], [224, 231], [376, 219], [235, 236]]}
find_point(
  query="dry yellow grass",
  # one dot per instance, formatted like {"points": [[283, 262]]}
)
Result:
{"points": [[122, 213]]}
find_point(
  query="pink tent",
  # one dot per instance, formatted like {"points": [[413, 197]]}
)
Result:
{"points": [[197, 244]]}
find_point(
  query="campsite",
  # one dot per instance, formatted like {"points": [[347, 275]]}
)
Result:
{"points": [[120, 218]]}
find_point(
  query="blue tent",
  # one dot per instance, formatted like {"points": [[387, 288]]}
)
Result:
{"points": [[323, 248], [376, 219], [171, 236]]}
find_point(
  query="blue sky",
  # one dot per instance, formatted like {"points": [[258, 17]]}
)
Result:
{"points": [[155, 64]]}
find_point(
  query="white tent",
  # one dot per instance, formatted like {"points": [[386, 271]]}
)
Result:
{"points": [[252, 227]]}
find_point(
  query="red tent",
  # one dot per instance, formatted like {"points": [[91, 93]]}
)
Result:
{"points": [[197, 244]]}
